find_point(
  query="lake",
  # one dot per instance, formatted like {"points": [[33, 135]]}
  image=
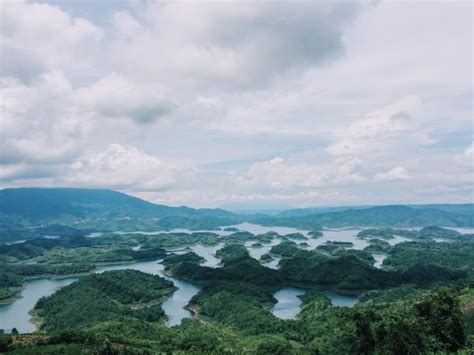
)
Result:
{"points": [[174, 305], [289, 302], [16, 314]]}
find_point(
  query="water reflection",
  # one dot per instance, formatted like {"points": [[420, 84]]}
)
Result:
{"points": [[288, 302], [174, 305], [379, 258], [15, 315], [340, 300], [208, 253]]}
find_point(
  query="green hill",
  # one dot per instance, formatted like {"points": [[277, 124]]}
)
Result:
{"points": [[394, 216], [52, 203]]}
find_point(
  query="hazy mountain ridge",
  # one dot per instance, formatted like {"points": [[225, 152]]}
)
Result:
{"points": [[465, 208], [40, 203], [111, 210], [400, 216]]}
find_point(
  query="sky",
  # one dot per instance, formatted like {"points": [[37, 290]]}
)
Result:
{"points": [[250, 104]]}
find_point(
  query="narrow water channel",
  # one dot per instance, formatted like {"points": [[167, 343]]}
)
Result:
{"points": [[288, 301], [15, 315]]}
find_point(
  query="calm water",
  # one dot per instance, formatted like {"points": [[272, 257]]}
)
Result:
{"points": [[208, 253], [338, 235], [257, 252], [174, 305], [258, 229], [379, 258], [16, 314], [463, 230], [288, 305], [341, 300], [273, 264]]}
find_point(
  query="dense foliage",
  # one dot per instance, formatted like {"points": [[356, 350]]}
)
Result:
{"points": [[174, 259], [452, 255], [100, 297], [428, 232], [233, 318], [398, 216]]}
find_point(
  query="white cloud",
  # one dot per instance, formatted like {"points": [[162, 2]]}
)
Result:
{"points": [[119, 97], [230, 44], [382, 129], [469, 154], [40, 122], [123, 167], [38, 38], [280, 174], [395, 174]]}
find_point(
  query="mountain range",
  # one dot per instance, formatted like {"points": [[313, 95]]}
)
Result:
{"points": [[23, 209]]}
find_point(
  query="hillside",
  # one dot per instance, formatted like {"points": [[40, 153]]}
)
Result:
{"points": [[302, 212], [36, 204], [466, 208], [99, 209], [395, 216]]}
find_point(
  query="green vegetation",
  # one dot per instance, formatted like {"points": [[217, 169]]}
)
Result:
{"points": [[224, 303], [383, 216], [295, 236], [232, 253], [100, 255], [103, 210], [377, 246], [174, 259], [429, 232], [285, 248], [361, 254], [176, 240], [231, 229], [101, 297], [246, 270], [402, 293], [332, 246], [265, 258], [233, 318], [36, 247], [61, 231], [437, 232], [432, 323], [315, 234], [453, 255], [10, 283], [240, 236], [31, 270]]}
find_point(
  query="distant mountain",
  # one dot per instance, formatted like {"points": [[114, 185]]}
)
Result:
{"points": [[37, 204], [107, 210], [466, 208], [301, 212], [394, 216]]}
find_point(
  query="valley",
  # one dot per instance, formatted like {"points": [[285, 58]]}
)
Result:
{"points": [[241, 287]]}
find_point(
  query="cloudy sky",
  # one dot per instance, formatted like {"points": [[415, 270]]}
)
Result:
{"points": [[250, 104]]}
